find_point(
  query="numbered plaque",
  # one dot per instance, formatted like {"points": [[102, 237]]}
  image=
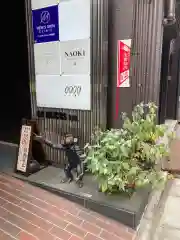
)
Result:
{"points": [[75, 57], [69, 92], [47, 59]]}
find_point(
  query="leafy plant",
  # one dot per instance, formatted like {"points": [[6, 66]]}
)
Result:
{"points": [[125, 159]]}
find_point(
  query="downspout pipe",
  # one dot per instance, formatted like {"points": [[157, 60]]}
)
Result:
{"points": [[171, 12]]}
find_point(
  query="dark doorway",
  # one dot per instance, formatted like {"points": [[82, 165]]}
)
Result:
{"points": [[178, 92], [168, 87], [15, 92], [164, 78], [169, 95], [173, 86], [170, 79]]}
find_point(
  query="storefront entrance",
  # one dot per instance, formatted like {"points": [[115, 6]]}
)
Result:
{"points": [[173, 81], [170, 77]]}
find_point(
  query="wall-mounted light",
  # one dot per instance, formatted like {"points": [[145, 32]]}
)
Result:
{"points": [[171, 13]]}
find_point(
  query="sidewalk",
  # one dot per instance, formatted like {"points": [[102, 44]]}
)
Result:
{"points": [[162, 221], [30, 213], [169, 225]]}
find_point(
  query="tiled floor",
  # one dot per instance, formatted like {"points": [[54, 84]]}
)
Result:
{"points": [[29, 213]]}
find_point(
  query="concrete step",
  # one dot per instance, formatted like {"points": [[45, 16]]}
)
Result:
{"points": [[172, 164]]}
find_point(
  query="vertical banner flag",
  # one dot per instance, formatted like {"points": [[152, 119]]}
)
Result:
{"points": [[123, 62]]}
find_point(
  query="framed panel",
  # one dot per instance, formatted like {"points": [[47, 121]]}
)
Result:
{"points": [[47, 58], [74, 19], [45, 24], [68, 92], [75, 57]]}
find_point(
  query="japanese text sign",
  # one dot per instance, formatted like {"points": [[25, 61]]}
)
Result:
{"points": [[24, 148], [123, 62]]}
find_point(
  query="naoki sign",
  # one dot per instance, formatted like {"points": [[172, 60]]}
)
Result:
{"points": [[123, 62], [76, 53]]}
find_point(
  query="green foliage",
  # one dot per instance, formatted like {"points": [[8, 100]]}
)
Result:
{"points": [[125, 159]]}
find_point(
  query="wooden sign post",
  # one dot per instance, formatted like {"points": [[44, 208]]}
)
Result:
{"points": [[29, 149]]}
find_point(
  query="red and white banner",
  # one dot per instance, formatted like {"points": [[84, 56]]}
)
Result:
{"points": [[123, 62]]}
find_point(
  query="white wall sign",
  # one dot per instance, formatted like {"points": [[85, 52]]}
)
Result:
{"points": [[74, 19], [47, 58], [69, 92], [75, 57], [62, 65], [36, 4], [24, 148]]}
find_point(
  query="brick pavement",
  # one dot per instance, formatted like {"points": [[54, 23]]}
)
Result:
{"points": [[30, 213]]}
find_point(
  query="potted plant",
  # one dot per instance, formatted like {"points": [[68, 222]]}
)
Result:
{"points": [[123, 160]]}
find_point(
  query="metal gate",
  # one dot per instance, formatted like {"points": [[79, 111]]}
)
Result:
{"points": [[80, 123]]}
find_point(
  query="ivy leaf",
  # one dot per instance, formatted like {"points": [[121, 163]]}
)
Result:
{"points": [[124, 151], [133, 170], [126, 166]]}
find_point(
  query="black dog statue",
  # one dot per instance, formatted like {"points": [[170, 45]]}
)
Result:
{"points": [[74, 156]]}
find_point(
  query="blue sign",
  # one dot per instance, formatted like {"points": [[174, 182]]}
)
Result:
{"points": [[46, 24]]}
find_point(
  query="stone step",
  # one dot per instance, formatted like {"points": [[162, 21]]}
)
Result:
{"points": [[172, 164]]}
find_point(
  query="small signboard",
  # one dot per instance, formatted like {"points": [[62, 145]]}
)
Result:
{"points": [[29, 148], [23, 155], [123, 63], [46, 24]]}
